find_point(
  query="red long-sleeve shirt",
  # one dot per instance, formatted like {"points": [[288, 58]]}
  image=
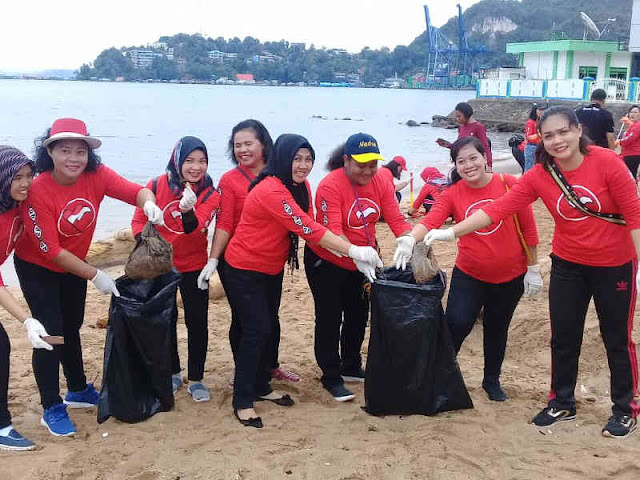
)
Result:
{"points": [[234, 188], [630, 141], [11, 227], [428, 189], [493, 254], [353, 211], [261, 240], [189, 250], [603, 182], [58, 217], [531, 132], [479, 131]]}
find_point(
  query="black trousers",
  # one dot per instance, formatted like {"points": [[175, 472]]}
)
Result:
{"points": [[614, 293], [632, 162], [467, 296], [5, 350], [342, 311], [254, 297], [57, 301], [235, 330], [196, 307]]}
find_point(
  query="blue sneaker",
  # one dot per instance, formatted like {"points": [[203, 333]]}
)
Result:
{"points": [[57, 421], [16, 442], [87, 398]]}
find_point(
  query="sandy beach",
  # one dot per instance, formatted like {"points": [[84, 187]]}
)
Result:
{"points": [[319, 438]]}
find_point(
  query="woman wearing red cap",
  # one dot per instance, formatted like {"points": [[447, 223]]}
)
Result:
{"points": [[250, 147], [277, 210], [349, 201], [189, 202], [434, 184], [393, 170], [60, 218]]}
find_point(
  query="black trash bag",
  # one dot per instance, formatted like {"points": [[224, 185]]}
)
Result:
{"points": [[137, 355], [411, 362]]}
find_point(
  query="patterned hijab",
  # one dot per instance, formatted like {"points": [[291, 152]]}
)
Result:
{"points": [[11, 160], [181, 151]]}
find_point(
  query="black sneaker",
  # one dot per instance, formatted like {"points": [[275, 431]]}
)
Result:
{"points": [[494, 390], [353, 376], [341, 393], [619, 426], [550, 415]]}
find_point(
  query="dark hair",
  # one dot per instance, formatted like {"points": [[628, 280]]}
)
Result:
{"points": [[336, 159], [599, 94], [458, 145], [393, 166], [465, 109], [533, 114], [261, 133], [632, 107], [44, 162], [541, 154]]}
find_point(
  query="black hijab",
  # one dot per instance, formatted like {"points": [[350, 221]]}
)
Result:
{"points": [[280, 166], [180, 152]]}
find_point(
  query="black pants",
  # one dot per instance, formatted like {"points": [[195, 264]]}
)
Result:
{"points": [[255, 299], [196, 307], [467, 296], [5, 350], [339, 302], [235, 330], [614, 293], [632, 162], [57, 301]]}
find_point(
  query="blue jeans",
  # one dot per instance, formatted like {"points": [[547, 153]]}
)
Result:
{"points": [[529, 159]]}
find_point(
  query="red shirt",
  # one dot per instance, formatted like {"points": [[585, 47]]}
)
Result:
{"points": [[630, 141], [386, 175], [602, 181], [428, 189], [493, 254], [353, 211], [234, 188], [58, 217], [477, 130], [189, 250], [261, 241], [531, 129], [11, 227]]}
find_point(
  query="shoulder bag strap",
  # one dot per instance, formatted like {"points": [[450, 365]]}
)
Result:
{"points": [[523, 242]]}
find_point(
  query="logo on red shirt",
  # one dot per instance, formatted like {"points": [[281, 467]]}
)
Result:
{"points": [[586, 196], [361, 211], [17, 227], [173, 217], [477, 206], [76, 217]]}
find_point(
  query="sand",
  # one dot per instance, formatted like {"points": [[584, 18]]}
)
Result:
{"points": [[319, 438]]}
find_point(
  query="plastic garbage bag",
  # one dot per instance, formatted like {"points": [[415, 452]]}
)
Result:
{"points": [[137, 356], [151, 257], [411, 362]]}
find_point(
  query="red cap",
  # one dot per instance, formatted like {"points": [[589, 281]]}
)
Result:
{"points": [[70, 128], [401, 161]]}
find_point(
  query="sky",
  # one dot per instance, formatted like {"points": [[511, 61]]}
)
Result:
{"points": [[45, 34]]}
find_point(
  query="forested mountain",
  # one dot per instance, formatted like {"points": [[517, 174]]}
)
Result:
{"points": [[491, 23]]}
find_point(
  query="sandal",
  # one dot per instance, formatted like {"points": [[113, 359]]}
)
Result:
{"points": [[284, 401], [255, 422]]}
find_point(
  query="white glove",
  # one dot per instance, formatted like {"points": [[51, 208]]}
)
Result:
{"points": [[153, 212], [105, 284], [445, 235], [35, 332], [404, 250], [188, 200], [532, 281], [208, 270], [366, 260]]}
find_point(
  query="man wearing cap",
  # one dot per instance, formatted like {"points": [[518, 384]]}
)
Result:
{"points": [[394, 169], [350, 200], [596, 121]]}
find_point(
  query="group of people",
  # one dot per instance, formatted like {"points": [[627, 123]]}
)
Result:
{"points": [[264, 205]]}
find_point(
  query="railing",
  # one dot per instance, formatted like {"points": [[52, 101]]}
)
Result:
{"points": [[617, 90]]}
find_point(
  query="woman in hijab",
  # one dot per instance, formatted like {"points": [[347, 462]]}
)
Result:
{"points": [[277, 210], [434, 184], [189, 201]]}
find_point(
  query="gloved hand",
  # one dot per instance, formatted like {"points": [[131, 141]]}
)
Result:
{"points": [[404, 250], [153, 212], [104, 283], [188, 200], [35, 332], [532, 281], [445, 235], [208, 270], [366, 260]]}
